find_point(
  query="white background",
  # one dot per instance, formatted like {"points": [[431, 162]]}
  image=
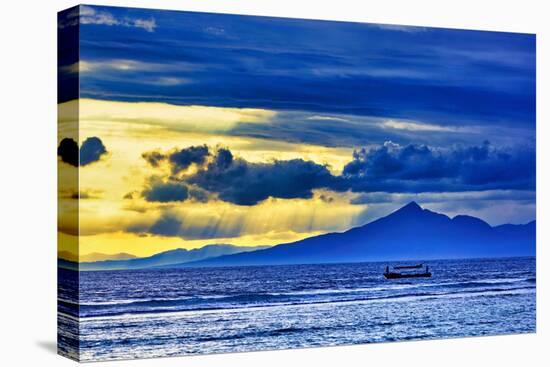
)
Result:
{"points": [[28, 182]]}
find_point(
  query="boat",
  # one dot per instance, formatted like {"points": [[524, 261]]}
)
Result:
{"points": [[419, 266], [398, 275]]}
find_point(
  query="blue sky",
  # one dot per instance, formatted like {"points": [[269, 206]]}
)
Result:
{"points": [[438, 115], [452, 77]]}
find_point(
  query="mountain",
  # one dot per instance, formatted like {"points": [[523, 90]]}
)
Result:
{"points": [[94, 256], [67, 256], [409, 233], [177, 256]]}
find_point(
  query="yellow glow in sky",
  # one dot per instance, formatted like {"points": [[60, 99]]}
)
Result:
{"points": [[109, 223]]}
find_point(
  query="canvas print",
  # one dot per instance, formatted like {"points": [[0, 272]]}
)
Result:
{"points": [[234, 183]]}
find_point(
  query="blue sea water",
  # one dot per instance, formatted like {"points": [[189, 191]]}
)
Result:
{"points": [[167, 312]]}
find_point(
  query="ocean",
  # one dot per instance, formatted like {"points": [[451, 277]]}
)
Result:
{"points": [[169, 312]]}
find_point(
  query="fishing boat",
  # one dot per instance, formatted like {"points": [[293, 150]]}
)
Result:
{"points": [[399, 275], [419, 266]]}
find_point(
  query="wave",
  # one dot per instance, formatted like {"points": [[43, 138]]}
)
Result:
{"points": [[262, 301], [133, 301], [260, 333], [200, 302], [401, 286]]}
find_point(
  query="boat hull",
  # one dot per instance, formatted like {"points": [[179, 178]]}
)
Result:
{"points": [[401, 276], [419, 266]]}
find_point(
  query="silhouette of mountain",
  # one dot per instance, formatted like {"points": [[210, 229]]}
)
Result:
{"points": [[177, 256], [95, 256], [409, 233]]}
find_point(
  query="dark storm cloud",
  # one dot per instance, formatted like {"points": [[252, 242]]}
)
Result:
{"points": [[184, 158], [166, 192], [388, 168], [244, 183], [198, 195], [68, 151], [180, 159], [420, 168], [91, 151]]}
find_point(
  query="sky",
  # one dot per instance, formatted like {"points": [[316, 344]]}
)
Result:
{"points": [[199, 128]]}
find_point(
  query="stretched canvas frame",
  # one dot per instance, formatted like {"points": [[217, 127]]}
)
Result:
{"points": [[232, 183]]}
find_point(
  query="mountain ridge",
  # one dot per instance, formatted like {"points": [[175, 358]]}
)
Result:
{"points": [[411, 232], [175, 256]]}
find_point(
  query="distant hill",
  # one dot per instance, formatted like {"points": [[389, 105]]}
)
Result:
{"points": [[67, 256], [177, 256], [95, 256], [409, 233]]}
